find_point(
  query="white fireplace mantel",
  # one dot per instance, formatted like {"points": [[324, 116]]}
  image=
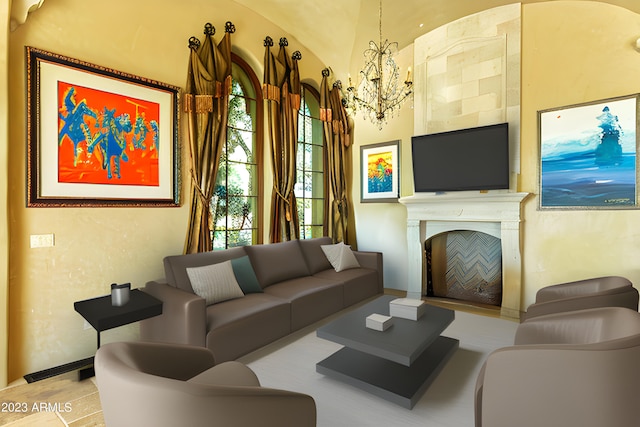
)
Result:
{"points": [[495, 213]]}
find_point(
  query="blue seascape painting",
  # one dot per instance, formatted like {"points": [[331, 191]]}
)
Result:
{"points": [[588, 155]]}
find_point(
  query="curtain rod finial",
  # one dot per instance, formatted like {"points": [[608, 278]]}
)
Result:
{"points": [[209, 29], [194, 43]]}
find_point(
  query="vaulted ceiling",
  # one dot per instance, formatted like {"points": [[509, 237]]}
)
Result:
{"points": [[338, 31]]}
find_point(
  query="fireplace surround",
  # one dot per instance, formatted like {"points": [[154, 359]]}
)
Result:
{"points": [[495, 213]]}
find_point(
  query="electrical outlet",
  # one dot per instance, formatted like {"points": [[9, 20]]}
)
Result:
{"points": [[41, 240]]}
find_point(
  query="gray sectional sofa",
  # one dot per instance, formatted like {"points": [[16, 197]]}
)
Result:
{"points": [[297, 286]]}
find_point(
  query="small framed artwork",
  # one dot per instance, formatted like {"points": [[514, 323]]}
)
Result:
{"points": [[99, 137], [380, 172], [588, 155]]}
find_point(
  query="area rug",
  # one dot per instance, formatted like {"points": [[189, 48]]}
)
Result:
{"points": [[290, 364]]}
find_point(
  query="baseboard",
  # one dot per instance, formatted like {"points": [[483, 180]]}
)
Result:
{"points": [[58, 370]]}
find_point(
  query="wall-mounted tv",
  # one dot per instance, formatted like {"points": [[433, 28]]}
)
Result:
{"points": [[459, 160]]}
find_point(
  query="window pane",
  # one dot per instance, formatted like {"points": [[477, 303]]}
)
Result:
{"points": [[317, 209], [239, 116], [300, 154], [219, 240], [305, 232], [235, 202], [240, 146], [316, 231], [304, 210], [245, 237], [251, 111], [316, 189], [239, 238], [316, 153], [298, 190], [310, 188]]}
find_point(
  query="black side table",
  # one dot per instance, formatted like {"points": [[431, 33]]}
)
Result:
{"points": [[102, 315]]}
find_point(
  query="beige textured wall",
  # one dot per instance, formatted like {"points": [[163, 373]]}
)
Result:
{"points": [[4, 232], [588, 57], [572, 52], [383, 226], [97, 246]]}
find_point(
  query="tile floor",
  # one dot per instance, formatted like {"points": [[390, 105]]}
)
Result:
{"points": [[61, 401]]}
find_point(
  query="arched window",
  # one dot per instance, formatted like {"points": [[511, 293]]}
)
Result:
{"points": [[237, 202], [311, 181]]}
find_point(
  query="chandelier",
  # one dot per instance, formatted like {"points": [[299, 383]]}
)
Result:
{"points": [[379, 92]]}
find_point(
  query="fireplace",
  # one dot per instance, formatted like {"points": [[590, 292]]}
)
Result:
{"points": [[464, 265], [496, 213]]}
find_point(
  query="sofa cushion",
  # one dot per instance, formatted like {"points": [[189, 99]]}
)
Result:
{"points": [[245, 275], [313, 254], [340, 256], [359, 283], [277, 262], [237, 327], [175, 266], [311, 298], [215, 283]]}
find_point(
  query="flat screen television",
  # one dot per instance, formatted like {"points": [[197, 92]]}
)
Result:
{"points": [[466, 159]]}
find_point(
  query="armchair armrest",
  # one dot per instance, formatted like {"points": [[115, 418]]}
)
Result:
{"points": [[178, 362], [560, 385], [269, 407], [183, 318], [372, 260], [611, 291], [589, 326], [597, 285], [560, 328]]}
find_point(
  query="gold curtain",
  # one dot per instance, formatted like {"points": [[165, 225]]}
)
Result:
{"points": [[337, 139], [206, 104], [281, 90]]}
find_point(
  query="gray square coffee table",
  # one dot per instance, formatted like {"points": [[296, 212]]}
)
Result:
{"points": [[397, 364]]}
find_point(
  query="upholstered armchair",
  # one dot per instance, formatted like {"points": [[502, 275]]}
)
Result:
{"points": [[607, 291], [168, 385], [578, 368]]}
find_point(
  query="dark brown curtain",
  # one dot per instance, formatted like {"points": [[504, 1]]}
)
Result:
{"points": [[206, 104], [337, 139], [281, 90]]}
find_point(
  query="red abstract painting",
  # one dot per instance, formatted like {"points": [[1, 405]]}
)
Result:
{"points": [[106, 138]]}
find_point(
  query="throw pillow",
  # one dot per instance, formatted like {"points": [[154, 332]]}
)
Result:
{"points": [[340, 256], [215, 283], [245, 275]]}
